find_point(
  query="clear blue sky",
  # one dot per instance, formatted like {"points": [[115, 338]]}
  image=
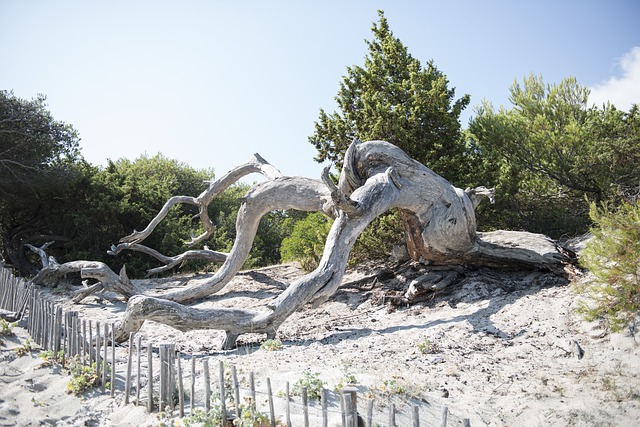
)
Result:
{"points": [[211, 82]]}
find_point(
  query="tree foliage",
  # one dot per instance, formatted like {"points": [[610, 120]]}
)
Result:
{"points": [[549, 152], [613, 257], [39, 162], [394, 98], [306, 240], [35, 149]]}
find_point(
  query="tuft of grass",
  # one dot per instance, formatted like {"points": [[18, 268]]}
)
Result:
{"points": [[348, 378], [428, 347], [25, 348], [6, 328], [271, 345]]}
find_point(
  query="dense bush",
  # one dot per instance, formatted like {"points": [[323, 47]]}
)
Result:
{"points": [[613, 257], [307, 240], [548, 154]]}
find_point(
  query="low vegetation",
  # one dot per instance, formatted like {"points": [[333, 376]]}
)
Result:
{"points": [[613, 258]]}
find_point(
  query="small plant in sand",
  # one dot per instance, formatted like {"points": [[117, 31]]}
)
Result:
{"points": [[312, 382], [271, 345], [24, 348], [49, 358], [392, 387], [427, 346], [38, 403], [250, 416], [6, 328], [348, 378], [83, 377]]}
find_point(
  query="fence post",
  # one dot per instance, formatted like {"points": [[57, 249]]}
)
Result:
{"points": [[392, 414], [325, 412], [415, 417], [150, 377], [288, 407], [113, 361], [349, 394], [370, 413], [223, 403], [207, 385], [180, 386], [236, 389], [305, 406], [272, 415], [445, 412], [192, 397], [138, 356], [167, 375], [105, 339], [127, 384]]}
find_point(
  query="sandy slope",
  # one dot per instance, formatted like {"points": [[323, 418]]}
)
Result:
{"points": [[499, 349]]}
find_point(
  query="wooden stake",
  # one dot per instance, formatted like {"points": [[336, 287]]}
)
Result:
{"points": [[325, 412], [305, 406], [104, 356], [236, 390], [288, 413], [370, 413], [113, 361], [150, 377], [180, 387], [445, 412], [207, 386], [192, 396], [127, 385], [138, 354], [392, 415], [223, 403], [272, 415]]}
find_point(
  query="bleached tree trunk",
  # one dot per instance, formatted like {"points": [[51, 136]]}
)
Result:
{"points": [[376, 176]]}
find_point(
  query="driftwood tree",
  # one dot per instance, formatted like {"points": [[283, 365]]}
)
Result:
{"points": [[376, 176]]}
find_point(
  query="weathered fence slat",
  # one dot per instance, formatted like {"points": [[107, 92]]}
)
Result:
{"points": [[127, 384], [207, 385], [445, 414], [223, 405], [180, 386], [150, 377], [272, 415]]}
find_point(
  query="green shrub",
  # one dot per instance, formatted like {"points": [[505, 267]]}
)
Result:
{"points": [[377, 240], [5, 328], [83, 377], [271, 345], [312, 382], [613, 257], [306, 242]]}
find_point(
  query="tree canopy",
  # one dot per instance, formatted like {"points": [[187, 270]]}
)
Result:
{"points": [[34, 148], [394, 98], [550, 152]]}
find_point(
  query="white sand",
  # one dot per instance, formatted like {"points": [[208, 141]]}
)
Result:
{"points": [[505, 356]]}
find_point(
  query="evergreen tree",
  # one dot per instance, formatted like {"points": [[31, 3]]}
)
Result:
{"points": [[394, 98]]}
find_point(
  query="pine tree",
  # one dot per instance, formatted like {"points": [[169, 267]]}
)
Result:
{"points": [[394, 98]]}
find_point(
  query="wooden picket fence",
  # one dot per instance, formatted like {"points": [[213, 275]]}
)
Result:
{"points": [[178, 390]]}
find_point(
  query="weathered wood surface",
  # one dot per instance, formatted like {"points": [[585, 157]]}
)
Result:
{"points": [[376, 176]]}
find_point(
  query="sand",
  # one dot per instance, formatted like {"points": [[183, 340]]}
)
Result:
{"points": [[499, 349]]}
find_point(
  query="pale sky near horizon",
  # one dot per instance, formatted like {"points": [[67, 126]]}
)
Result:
{"points": [[211, 82]]}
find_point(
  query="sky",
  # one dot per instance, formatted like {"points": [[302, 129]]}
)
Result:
{"points": [[209, 83]]}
